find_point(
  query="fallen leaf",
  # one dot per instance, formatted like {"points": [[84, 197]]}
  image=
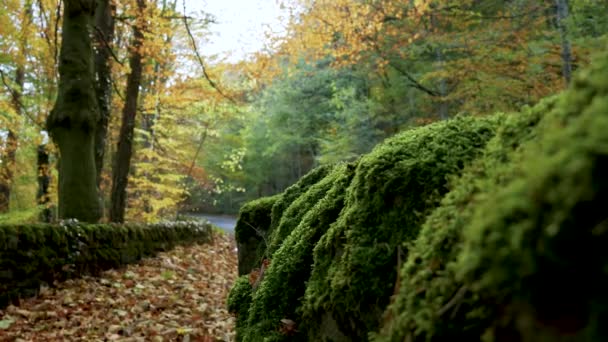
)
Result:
{"points": [[6, 323]]}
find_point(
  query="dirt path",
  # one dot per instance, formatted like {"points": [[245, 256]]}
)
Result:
{"points": [[177, 296]]}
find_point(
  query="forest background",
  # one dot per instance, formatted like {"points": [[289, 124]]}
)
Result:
{"points": [[209, 134]]}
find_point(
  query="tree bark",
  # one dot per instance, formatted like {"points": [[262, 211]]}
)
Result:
{"points": [[104, 34], [562, 15], [44, 180], [122, 163], [72, 122]]}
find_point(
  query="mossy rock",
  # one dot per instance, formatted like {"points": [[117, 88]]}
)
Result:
{"points": [[313, 188], [293, 192], [537, 247], [394, 188], [280, 292], [421, 309], [500, 225], [251, 232], [238, 303]]}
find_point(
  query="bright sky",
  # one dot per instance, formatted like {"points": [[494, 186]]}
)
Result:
{"points": [[241, 25]]}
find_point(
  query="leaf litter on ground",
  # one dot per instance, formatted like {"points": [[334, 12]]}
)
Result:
{"points": [[178, 295]]}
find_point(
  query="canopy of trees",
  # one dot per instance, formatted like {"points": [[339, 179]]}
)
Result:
{"points": [[169, 128]]}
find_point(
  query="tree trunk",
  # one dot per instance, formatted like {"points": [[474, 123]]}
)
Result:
{"points": [[72, 122], [104, 34], [443, 88], [442, 111], [44, 180], [122, 163], [562, 15]]}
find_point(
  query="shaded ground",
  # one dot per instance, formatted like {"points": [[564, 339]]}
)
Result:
{"points": [[176, 296]]}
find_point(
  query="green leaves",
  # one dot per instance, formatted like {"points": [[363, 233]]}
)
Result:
{"points": [[6, 323]]}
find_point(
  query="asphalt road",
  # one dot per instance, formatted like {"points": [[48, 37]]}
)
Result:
{"points": [[224, 222]]}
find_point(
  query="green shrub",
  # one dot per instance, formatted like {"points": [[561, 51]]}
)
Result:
{"points": [[394, 188]]}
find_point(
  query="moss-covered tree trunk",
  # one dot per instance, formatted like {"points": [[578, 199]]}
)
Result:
{"points": [[122, 163], [104, 34], [73, 121]]}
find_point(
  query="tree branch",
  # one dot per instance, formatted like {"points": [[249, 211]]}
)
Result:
{"points": [[198, 149], [18, 101], [200, 59], [107, 45], [413, 82]]}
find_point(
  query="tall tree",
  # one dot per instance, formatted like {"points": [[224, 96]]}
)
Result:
{"points": [[73, 121], [104, 34], [122, 163]]}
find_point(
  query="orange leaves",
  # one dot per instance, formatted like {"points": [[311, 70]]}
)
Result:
{"points": [[253, 276], [256, 275], [155, 300]]}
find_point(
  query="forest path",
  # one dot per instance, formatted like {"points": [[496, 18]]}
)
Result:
{"points": [[176, 296]]}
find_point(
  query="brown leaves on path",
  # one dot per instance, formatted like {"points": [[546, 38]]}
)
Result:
{"points": [[177, 296]]}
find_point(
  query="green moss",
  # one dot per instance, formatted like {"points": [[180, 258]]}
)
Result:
{"points": [[293, 192], [239, 301], [284, 283], [393, 190], [254, 214], [309, 197], [259, 219], [31, 255], [251, 232], [536, 247], [427, 282]]}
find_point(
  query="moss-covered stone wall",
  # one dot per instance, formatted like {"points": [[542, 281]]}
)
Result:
{"points": [[32, 255], [473, 229]]}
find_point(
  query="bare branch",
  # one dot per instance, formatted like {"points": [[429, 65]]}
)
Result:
{"points": [[200, 59], [107, 45], [16, 99], [198, 149], [454, 301], [413, 82]]}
